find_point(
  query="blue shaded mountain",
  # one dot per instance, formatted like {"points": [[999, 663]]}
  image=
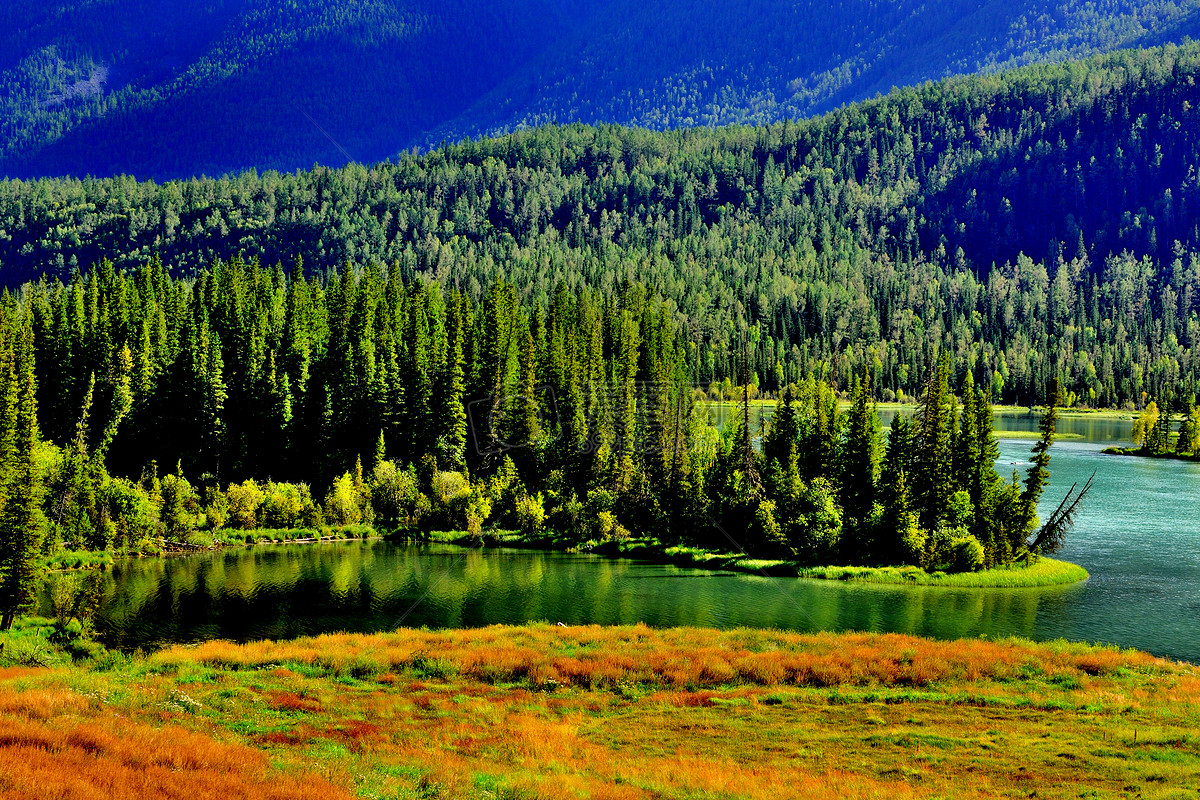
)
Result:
{"points": [[176, 89]]}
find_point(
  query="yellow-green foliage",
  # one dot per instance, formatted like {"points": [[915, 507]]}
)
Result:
{"points": [[244, 499]]}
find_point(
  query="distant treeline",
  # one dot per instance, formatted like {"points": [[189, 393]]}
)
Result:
{"points": [[1037, 224]]}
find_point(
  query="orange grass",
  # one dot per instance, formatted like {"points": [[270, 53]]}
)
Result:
{"points": [[597, 657], [55, 744], [548, 712]]}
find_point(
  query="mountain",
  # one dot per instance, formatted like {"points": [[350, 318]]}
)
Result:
{"points": [[176, 89], [1036, 223], [665, 64], [157, 88]]}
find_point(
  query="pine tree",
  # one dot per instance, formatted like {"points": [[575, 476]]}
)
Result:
{"points": [[21, 525], [1188, 440], [1038, 474], [860, 455], [452, 438], [932, 479], [780, 444], [524, 426], [894, 492]]}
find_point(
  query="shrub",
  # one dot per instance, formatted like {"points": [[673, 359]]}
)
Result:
{"points": [[954, 550], [287, 505], [912, 541], [479, 508], [966, 554], [244, 499], [180, 506], [609, 529], [131, 513], [347, 502], [394, 492], [531, 514]]}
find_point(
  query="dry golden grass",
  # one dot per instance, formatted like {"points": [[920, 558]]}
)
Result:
{"points": [[542, 711], [56, 743], [597, 657]]}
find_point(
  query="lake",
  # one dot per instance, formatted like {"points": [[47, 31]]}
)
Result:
{"points": [[1137, 535]]}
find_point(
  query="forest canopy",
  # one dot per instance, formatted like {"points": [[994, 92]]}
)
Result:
{"points": [[1037, 224], [138, 410]]}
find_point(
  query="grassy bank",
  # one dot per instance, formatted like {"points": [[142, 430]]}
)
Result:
{"points": [[78, 559], [1034, 435], [227, 537], [629, 712], [1043, 572], [1137, 452]]}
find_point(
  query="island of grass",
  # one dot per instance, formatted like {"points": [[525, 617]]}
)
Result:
{"points": [[1143, 452], [1034, 573], [624, 712], [1157, 434]]}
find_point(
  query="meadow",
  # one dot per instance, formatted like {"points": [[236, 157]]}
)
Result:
{"points": [[625, 712]]}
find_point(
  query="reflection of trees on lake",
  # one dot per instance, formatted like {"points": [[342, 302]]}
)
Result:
{"points": [[293, 590]]}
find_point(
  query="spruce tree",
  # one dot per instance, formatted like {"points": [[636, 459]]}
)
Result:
{"points": [[1038, 474], [932, 479], [452, 424], [860, 455], [894, 493], [21, 524]]}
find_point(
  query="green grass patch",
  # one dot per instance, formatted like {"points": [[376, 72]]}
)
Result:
{"points": [[1034, 435], [1138, 452], [28, 644], [78, 559], [235, 536], [1043, 572]]}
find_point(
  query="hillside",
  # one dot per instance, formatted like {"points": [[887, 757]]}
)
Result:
{"points": [[664, 64], [603, 712], [1037, 223], [164, 90], [179, 89]]}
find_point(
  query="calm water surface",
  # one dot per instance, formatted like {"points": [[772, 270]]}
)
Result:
{"points": [[1138, 536]]}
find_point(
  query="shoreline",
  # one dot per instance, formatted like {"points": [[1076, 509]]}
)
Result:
{"points": [[83, 560], [1044, 572], [1136, 452]]}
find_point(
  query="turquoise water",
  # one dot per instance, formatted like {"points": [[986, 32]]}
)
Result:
{"points": [[1138, 535]]}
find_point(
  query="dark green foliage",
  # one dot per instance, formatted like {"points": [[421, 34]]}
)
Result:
{"points": [[21, 524], [933, 462], [1031, 244], [860, 455]]}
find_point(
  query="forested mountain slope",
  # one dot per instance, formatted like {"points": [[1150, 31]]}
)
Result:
{"points": [[157, 88], [665, 64], [178, 89], [1036, 223]]}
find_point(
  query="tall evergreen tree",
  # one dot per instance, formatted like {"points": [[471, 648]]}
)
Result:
{"points": [[21, 525], [860, 455], [1038, 473], [932, 479]]}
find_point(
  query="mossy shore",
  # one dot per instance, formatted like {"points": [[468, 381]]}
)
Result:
{"points": [[1042, 572]]}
